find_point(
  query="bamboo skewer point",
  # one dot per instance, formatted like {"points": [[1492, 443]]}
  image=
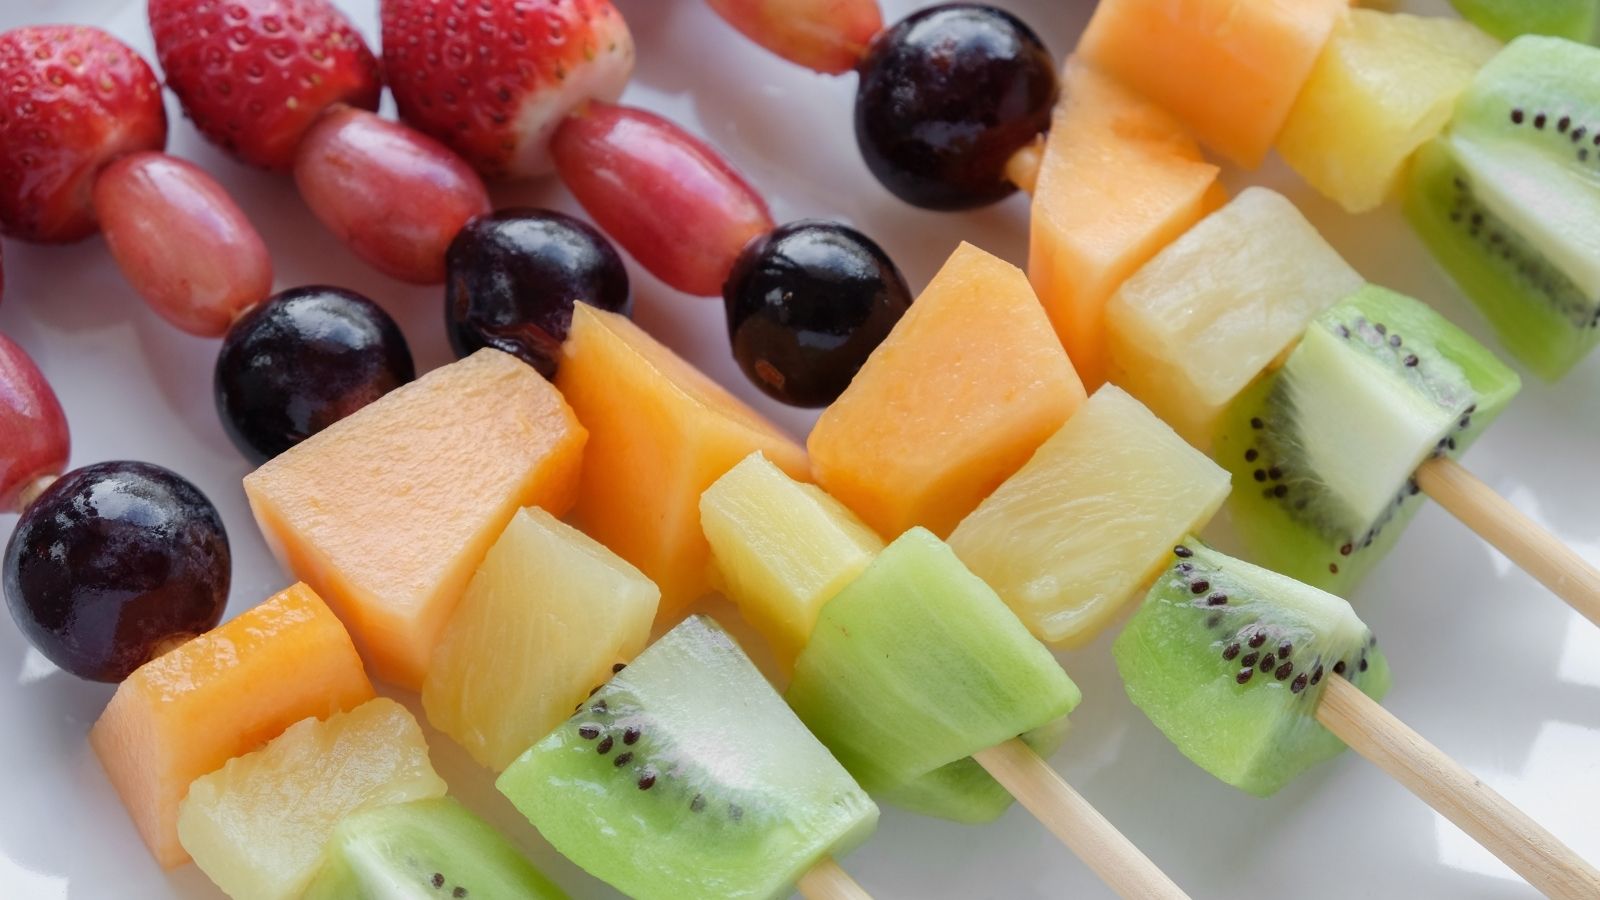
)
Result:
{"points": [[1071, 818], [1457, 794]]}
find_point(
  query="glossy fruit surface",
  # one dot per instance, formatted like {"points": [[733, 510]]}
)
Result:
{"points": [[671, 200], [807, 303], [34, 440], [302, 361], [494, 80], [113, 564], [181, 241], [255, 74], [72, 99], [512, 277], [946, 97], [393, 196], [826, 35]]}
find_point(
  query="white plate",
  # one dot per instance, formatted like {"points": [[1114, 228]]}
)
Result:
{"points": [[1487, 664]]}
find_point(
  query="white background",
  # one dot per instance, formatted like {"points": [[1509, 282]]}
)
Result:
{"points": [[1487, 664]]}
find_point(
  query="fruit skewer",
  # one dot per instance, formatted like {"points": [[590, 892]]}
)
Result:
{"points": [[785, 549], [1081, 528], [904, 53], [415, 625], [1347, 675], [652, 741], [786, 552], [1352, 401]]}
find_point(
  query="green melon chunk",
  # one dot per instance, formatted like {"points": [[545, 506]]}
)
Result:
{"points": [[424, 850], [1577, 20], [917, 665], [1230, 660], [1323, 450], [687, 776]]}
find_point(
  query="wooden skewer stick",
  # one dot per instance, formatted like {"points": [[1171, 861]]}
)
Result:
{"points": [[1507, 529], [1121, 865], [1022, 169], [1457, 794], [826, 881]]}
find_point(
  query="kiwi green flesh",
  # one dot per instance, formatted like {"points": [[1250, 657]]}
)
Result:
{"points": [[1508, 199], [1537, 311], [1323, 450], [1230, 660], [687, 776], [917, 665], [1577, 20], [424, 850]]}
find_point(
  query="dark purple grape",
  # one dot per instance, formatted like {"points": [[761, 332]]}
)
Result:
{"points": [[115, 563], [807, 303], [946, 97], [513, 275], [302, 361]]}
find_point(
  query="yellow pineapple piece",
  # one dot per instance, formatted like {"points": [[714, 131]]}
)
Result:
{"points": [[1089, 522], [1384, 85], [257, 825], [548, 614], [781, 549]]}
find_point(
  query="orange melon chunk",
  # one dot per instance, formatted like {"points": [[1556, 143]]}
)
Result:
{"points": [[1120, 179], [1229, 69], [968, 384], [388, 513], [221, 695], [660, 432]]}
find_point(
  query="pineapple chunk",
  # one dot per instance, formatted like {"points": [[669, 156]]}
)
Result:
{"points": [[1198, 323], [1384, 85], [544, 620], [257, 825], [781, 549], [1089, 522]]}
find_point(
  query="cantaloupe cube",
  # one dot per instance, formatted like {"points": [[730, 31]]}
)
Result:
{"points": [[222, 694], [1385, 84], [258, 825], [781, 549], [542, 623], [660, 432], [1229, 69], [388, 513], [1200, 321], [968, 384], [1120, 179], [1084, 528]]}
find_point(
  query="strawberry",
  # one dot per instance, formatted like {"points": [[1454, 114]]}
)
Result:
{"points": [[72, 99], [254, 74], [493, 80]]}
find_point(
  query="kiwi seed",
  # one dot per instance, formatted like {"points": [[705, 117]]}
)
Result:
{"points": [[1249, 661], [1257, 639], [647, 779], [630, 735], [1230, 651], [1283, 671], [1299, 684], [1182, 552], [588, 731], [622, 759], [604, 746], [698, 803], [1244, 675], [1200, 586]]}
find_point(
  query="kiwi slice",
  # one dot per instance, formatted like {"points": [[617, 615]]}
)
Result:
{"points": [[1322, 451], [1508, 199], [1230, 660], [687, 776], [424, 850], [1577, 20], [915, 666]]}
